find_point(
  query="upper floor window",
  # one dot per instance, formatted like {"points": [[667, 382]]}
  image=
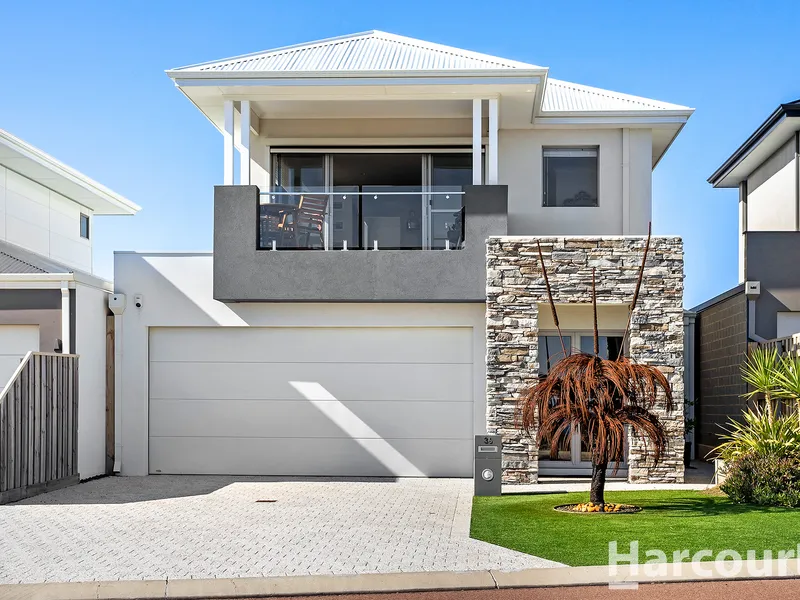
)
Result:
{"points": [[84, 226], [570, 176]]}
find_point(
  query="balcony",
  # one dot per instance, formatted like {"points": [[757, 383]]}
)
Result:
{"points": [[357, 245], [362, 218]]}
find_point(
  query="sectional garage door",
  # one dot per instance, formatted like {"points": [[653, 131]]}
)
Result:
{"points": [[311, 401]]}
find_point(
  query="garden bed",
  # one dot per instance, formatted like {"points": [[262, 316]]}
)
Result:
{"points": [[587, 508]]}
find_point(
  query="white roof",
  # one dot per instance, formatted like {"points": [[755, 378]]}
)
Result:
{"points": [[563, 96], [378, 51], [367, 51], [21, 157]]}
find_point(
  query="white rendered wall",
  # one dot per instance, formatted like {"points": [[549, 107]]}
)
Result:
{"points": [[43, 221], [641, 180], [788, 323], [521, 169], [772, 206], [177, 292], [90, 342]]}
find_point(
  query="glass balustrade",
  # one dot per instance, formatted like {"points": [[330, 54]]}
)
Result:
{"points": [[364, 217]]}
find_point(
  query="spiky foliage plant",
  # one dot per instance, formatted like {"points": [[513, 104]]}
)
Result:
{"points": [[602, 397], [760, 370]]}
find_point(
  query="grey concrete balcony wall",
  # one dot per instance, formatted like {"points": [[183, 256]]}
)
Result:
{"points": [[244, 274]]}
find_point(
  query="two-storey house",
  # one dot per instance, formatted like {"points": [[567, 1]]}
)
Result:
{"points": [[374, 297], [50, 300], [765, 305]]}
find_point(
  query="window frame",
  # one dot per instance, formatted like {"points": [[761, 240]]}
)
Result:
{"points": [[575, 335], [84, 218], [592, 148]]}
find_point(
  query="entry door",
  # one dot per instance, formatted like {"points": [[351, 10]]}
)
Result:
{"points": [[576, 458]]}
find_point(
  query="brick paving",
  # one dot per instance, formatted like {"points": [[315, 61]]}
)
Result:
{"points": [[181, 527]]}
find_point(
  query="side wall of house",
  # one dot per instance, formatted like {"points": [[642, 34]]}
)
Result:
{"points": [[43, 221], [90, 344], [720, 345], [772, 258], [516, 295], [772, 202]]}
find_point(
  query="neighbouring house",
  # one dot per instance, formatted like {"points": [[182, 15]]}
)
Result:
{"points": [[765, 306], [374, 299], [50, 301]]}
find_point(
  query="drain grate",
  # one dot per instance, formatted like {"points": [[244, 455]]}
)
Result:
{"points": [[266, 500]]}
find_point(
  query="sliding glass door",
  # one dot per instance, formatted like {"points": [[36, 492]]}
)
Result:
{"points": [[371, 198], [444, 211]]}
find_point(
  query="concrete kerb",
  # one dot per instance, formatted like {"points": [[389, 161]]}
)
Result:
{"points": [[196, 589]]}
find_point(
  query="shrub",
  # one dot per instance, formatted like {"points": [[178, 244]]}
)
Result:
{"points": [[763, 434], [765, 480]]}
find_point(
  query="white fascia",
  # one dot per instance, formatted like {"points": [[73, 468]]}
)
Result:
{"points": [[32, 281], [59, 169], [347, 78], [634, 119]]}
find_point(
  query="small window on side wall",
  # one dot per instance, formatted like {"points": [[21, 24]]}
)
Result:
{"points": [[570, 177], [84, 226]]}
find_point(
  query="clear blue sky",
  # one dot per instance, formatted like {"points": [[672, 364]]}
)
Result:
{"points": [[85, 82]]}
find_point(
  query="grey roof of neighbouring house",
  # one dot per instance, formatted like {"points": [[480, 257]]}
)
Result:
{"points": [[14, 259]]}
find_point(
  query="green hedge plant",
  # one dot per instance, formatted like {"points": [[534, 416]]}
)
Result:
{"points": [[765, 480]]}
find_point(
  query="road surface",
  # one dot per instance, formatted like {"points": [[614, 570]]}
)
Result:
{"points": [[775, 589]]}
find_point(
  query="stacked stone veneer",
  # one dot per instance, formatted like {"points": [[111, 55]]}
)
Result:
{"points": [[515, 290]]}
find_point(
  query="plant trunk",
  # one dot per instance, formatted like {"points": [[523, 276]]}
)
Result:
{"points": [[770, 409], [598, 489]]}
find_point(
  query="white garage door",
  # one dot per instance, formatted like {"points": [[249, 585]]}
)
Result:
{"points": [[311, 401], [15, 342]]}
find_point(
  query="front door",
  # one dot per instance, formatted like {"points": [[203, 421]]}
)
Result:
{"points": [[573, 458]]}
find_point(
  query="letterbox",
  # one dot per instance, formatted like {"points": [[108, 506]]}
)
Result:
{"points": [[488, 465]]}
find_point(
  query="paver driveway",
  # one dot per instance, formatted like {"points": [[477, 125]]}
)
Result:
{"points": [[201, 527]]}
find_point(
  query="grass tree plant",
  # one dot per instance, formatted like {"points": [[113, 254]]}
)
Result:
{"points": [[760, 371], [788, 379], [602, 397]]}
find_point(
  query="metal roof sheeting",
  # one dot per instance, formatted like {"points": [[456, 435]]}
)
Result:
{"points": [[562, 96], [14, 259], [11, 264], [369, 51]]}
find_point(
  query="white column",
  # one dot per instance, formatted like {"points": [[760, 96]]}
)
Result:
{"points": [[227, 135], [742, 230], [626, 181], [477, 167], [65, 318], [244, 136], [493, 149]]}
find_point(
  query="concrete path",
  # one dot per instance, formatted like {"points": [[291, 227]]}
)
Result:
{"points": [[187, 527]]}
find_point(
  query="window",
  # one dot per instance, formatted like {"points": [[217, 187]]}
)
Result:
{"points": [[85, 226], [570, 176], [551, 351]]}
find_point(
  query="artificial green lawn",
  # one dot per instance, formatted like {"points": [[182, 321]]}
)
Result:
{"points": [[670, 521]]}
